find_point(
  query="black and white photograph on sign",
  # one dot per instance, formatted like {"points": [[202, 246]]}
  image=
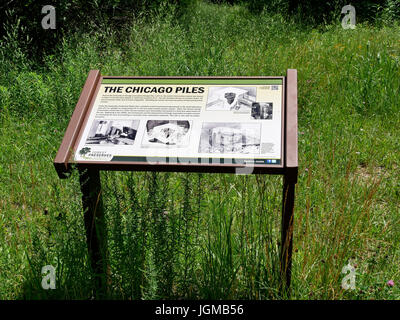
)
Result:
{"points": [[261, 110], [113, 132], [220, 137], [166, 133], [230, 98]]}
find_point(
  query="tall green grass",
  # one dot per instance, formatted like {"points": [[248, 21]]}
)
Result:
{"points": [[200, 235]]}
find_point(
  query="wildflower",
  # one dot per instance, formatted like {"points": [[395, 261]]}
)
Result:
{"points": [[390, 283], [339, 46]]}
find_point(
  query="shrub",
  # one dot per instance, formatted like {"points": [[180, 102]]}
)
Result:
{"points": [[73, 16]]}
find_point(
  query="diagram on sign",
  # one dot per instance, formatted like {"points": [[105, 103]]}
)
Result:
{"points": [[113, 132], [165, 133], [230, 98], [230, 138]]}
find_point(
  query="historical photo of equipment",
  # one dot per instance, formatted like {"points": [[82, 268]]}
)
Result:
{"points": [[165, 133], [261, 110], [220, 137], [238, 99], [113, 132]]}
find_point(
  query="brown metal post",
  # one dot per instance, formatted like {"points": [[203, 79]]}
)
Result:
{"points": [[95, 227], [287, 233], [289, 180]]}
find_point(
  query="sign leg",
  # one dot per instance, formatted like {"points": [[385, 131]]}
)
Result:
{"points": [[95, 227], [287, 233]]}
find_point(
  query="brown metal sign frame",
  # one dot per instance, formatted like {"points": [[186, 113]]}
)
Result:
{"points": [[90, 170]]}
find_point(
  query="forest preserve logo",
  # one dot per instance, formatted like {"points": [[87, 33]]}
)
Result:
{"points": [[87, 154]]}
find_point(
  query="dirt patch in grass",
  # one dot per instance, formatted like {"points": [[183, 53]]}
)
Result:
{"points": [[368, 174]]}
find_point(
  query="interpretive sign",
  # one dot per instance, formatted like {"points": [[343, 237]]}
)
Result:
{"points": [[203, 124], [192, 124], [195, 121]]}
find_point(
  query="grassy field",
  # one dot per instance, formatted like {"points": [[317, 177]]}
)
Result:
{"points": [[210, 236]]}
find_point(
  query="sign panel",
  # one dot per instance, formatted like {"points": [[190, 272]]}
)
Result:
{"points": [[197, 121]]}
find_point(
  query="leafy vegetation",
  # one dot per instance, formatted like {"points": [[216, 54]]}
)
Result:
{"points": [[76, 16], [198, 235]]}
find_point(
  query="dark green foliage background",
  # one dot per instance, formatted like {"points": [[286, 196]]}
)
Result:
{"points": [[73, 16], [95, 16], [317, 11]]}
